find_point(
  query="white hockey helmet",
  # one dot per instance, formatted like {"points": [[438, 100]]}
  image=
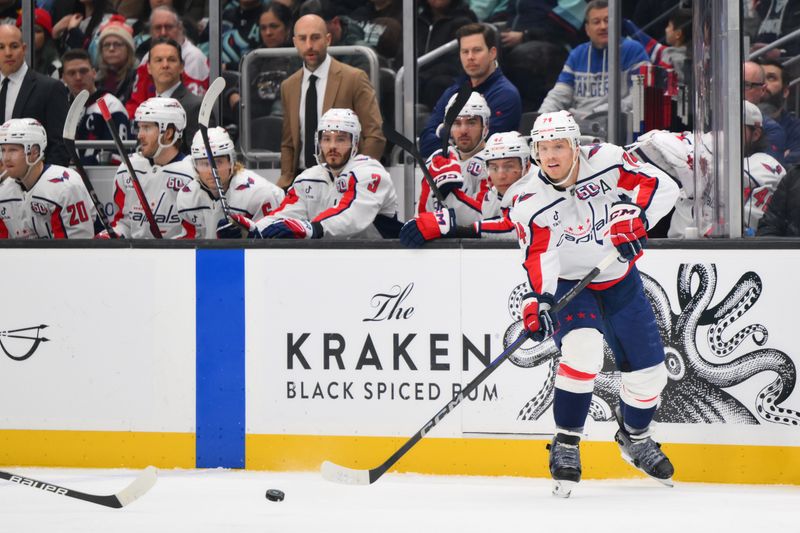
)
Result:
{"points": [[220, 142], [338, 119], [551, 126], [505, 145], [476, 106], [25, 131], [162, 111]]}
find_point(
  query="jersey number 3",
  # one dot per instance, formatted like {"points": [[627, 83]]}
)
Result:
{"points": [[373, 186]]}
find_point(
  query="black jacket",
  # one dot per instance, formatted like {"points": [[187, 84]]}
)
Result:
{"points": [[782, 218], [46, 100]]}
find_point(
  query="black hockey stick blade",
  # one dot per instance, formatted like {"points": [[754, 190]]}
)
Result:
{"points": [[351, 476], [393, 136], [461, 99], [138, 487], [74, 115]]}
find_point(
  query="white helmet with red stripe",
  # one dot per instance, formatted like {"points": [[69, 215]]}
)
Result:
{"points": [[27, 132], [476, 106], [220, 142], [551, 126], [505, 145], [338, 119]]}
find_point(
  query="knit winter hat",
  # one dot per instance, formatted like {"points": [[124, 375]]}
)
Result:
{"points": [[119, 29], [41, 18]]}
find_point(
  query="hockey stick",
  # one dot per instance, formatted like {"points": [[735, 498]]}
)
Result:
{"points": [[137, 488], [352, 476], [148, 213], [393, 136], [458, 104], [70, 125], [211, 96]]}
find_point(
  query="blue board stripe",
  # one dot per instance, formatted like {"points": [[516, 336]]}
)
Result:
{"points": [[220, 336]]}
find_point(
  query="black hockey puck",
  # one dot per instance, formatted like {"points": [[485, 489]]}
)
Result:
{"points": [[275, 495]]}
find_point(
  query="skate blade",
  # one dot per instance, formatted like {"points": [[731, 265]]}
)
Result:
{"points": [[563, 488], [666, 482]]}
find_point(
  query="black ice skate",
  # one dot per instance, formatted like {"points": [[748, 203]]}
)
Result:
{"points": [[565, 463], [644, 453]]}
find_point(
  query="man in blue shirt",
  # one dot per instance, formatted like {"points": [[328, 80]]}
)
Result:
{"points": [[478, 53]]}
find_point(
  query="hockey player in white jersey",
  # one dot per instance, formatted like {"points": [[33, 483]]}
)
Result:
{"points": [[345, 195], [247, 193], [13, 224], [161, 168], [594, 198], [674, 154], [507, 158], [460, 174], [55, 202]]}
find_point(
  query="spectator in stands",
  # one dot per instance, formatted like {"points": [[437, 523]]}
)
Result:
{"points": [[116, 60], [534, 48], [677, 54], [78, 74], [782, 218], [755, 91], [437, 23], [344, 30], [582, 86], [774, 103], [382, 21], [243, 17], [489, 10], [267, 73], [141, 33], [778, 19], [164, 22], [478, 54], [28, 94], [46, 60], [131, 9], [79, 28], [323, 82], [165, 66]]}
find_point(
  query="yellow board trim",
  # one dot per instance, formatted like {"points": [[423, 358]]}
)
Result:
{"points": [[526, 458], [97, 449]]}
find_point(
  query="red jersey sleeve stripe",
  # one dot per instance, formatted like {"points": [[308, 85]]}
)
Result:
{"points": [[59, 232], [344, 203], [647, 185], [290, 198], [424, 194], [3, 230], [540, 241], [191, 231], [119, 201]]}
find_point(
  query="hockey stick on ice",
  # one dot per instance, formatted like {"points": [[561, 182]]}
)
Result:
{"points": [[70, 125], [137, 488], [352, 476], [137, 186]]}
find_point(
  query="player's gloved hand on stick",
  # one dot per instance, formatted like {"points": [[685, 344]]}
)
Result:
{"points": [[103, 235], [292, 228], [236, 227], [628, 229], [446, 172], [539, 321], [427, 227]]}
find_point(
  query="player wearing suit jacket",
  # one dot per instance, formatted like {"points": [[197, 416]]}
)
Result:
{"points": [[339, 86]]}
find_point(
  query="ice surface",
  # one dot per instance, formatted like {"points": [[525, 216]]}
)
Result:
{"points": [[222, 501]]}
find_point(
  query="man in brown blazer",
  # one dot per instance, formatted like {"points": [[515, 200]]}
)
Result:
{"points": [[340, 86]]}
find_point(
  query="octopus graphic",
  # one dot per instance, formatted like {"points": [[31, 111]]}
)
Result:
{"points": [[695, 391]]}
